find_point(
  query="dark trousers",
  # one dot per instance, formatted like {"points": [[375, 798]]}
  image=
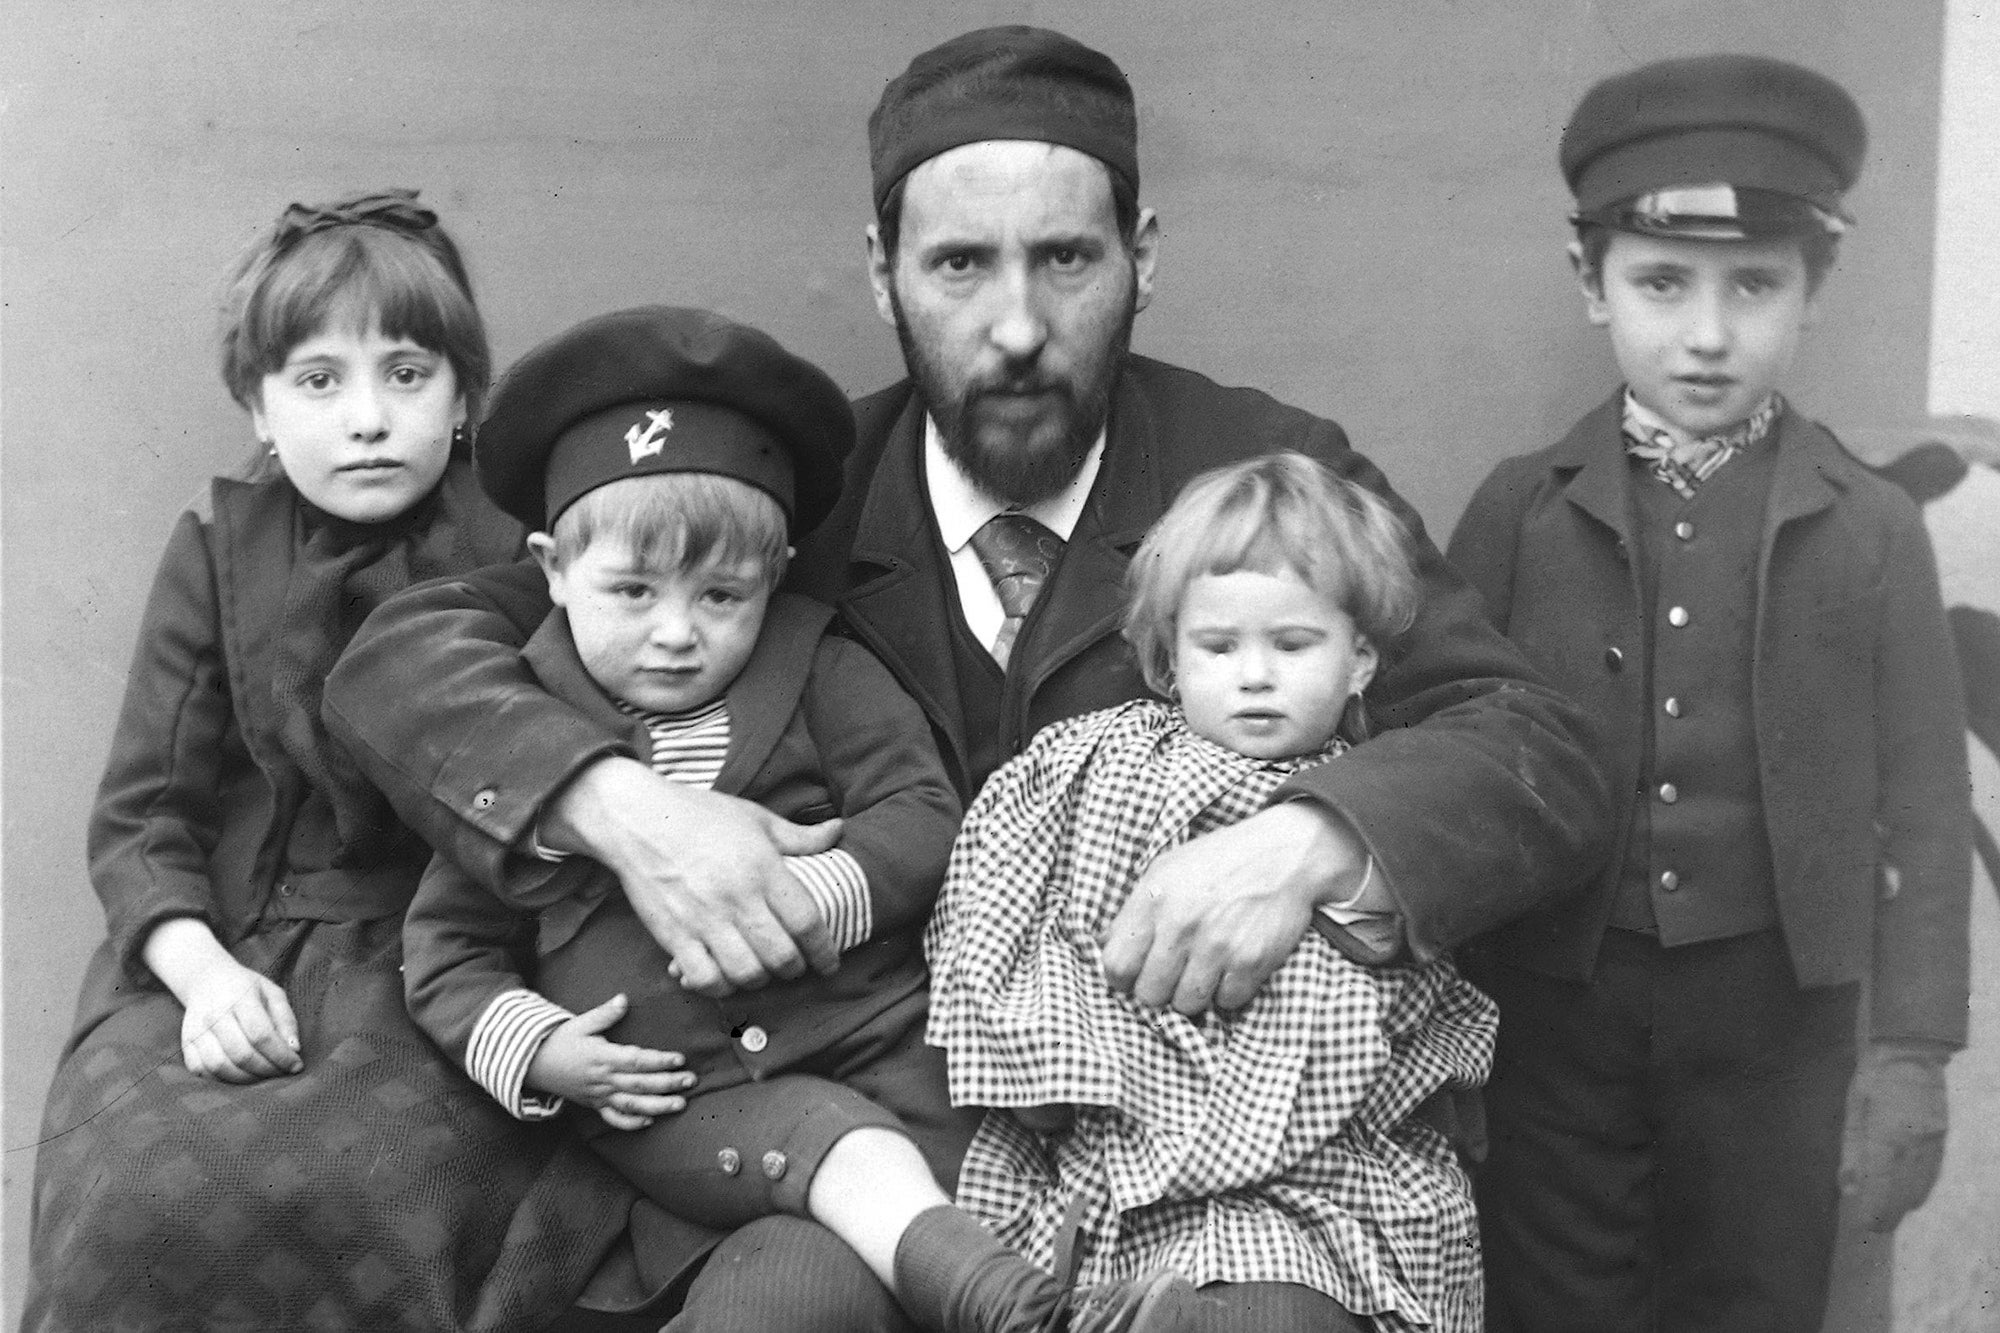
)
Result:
{"points": [[1665, 1141]]}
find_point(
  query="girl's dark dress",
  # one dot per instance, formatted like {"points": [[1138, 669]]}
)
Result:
{"points": [[379, 1188]]}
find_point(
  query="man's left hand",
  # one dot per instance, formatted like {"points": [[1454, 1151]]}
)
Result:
{"points": [[1210, 920], [1895, 1132]]}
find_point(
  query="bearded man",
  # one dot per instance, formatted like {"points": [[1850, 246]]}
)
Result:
{"points": [[1011, 255]]}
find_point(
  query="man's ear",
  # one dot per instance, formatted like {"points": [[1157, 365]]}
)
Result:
{"points": [[881, 275], [1145, 254], [544, 548], [1591, 281]]}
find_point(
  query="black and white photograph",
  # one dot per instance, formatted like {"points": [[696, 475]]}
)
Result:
{"points": [[1015, 666]]}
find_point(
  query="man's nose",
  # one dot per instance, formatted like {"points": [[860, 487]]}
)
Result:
{"points": [[1020, 327]]}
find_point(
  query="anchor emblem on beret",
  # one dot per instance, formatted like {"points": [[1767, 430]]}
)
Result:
{"points": [[645, 443]]}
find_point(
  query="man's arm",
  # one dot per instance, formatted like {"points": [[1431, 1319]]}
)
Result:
{"points": [[1476, 800], [438, 708]]}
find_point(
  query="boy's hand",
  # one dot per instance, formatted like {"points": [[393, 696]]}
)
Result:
{"points": [[238, 1026], [1895, 1132], [631, 1086]]}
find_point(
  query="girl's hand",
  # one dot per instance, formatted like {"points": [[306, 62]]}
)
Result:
{"points": [[238, 1026], [631, 1086]]}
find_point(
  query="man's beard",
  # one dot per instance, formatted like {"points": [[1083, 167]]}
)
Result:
{"points": [[1021, 467]]}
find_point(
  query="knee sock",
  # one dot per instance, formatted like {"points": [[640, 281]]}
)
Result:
{"points": [[954, 1277]]}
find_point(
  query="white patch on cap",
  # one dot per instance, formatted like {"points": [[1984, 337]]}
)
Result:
{"points": [[1708, 202], [646, 443]]}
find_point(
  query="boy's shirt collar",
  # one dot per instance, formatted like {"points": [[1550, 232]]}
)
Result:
{"points": [[1682, 461]]}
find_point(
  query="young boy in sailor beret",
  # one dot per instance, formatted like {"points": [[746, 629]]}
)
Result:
{"points": [[1753, 618], [668, 457]]}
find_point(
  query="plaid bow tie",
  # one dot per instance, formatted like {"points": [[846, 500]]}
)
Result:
{"points": [[1686, 464]]}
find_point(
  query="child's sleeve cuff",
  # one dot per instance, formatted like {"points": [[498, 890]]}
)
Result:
{"points": [[503, 1045], [838, 886]]}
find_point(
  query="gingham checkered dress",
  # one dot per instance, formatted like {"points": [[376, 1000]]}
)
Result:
{"points": [[1270, 1146]]}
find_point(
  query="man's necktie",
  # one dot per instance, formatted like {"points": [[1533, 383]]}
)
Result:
{"points": [[1018, 554]]}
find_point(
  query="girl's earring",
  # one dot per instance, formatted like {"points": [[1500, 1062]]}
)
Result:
{"points": [[1353, 724], [461, 439]]}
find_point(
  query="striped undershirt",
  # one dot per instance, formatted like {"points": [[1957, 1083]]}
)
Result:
{"points": [[690, 748]]}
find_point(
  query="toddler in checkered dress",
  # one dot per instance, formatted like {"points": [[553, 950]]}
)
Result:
{"points": [[1275, 1144]]}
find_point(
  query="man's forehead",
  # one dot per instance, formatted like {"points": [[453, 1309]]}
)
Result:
{"points": [[1017, 178]]}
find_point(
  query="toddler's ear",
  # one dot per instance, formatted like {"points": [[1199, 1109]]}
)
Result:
{"points": [[1366, 661]]}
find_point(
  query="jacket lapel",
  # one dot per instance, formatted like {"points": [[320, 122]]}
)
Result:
{"points": [[1086, 601], [898, 601], [1595, 458]]}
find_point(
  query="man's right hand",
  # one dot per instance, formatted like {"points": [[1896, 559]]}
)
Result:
{"points": [[702, 871]]}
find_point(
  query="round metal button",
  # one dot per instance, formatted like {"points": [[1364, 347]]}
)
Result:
{"points": [[755, 1039], [1669, 792], [1672, 707], [730, 1161], [484, 800], [1677, 617], [774, 1165], [1669, 880], [1684, 530], [1614, 659]]}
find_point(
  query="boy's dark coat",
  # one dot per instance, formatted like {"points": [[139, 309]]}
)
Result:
{"points": [[818, 730], [1860, 736]]}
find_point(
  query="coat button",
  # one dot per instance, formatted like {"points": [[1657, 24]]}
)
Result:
{"points": [[1677, 617], [774, 1165], [755, 1039], [484, 800], [1614, 659], [1684, 530], [1669, 792], [1672, 707], [286, 890], [1669, 880], [729, 1161]]}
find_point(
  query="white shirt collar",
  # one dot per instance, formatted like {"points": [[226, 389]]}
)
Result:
{"points": [[962, 508]]}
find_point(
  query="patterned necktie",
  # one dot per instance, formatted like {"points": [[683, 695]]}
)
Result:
{"points": [[1018, 554], [1686, 464]]}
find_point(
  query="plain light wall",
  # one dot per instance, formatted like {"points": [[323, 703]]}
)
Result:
{"points": [[1360, 202]]}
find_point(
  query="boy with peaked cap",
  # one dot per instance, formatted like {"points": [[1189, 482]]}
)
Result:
{"points": [[666, 456], [1753, 618]]}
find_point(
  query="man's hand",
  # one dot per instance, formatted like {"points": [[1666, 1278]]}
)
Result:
{"points": [[631, 1086], [702, 872], [1210, 920], [1895, 1132]]}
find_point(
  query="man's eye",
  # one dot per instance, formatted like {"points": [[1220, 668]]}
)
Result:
{"points": [[1066, 257], [959, 263]]}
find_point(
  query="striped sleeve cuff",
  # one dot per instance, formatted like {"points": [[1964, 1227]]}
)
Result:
{"points": [[503, 1045], [838, 886]]}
